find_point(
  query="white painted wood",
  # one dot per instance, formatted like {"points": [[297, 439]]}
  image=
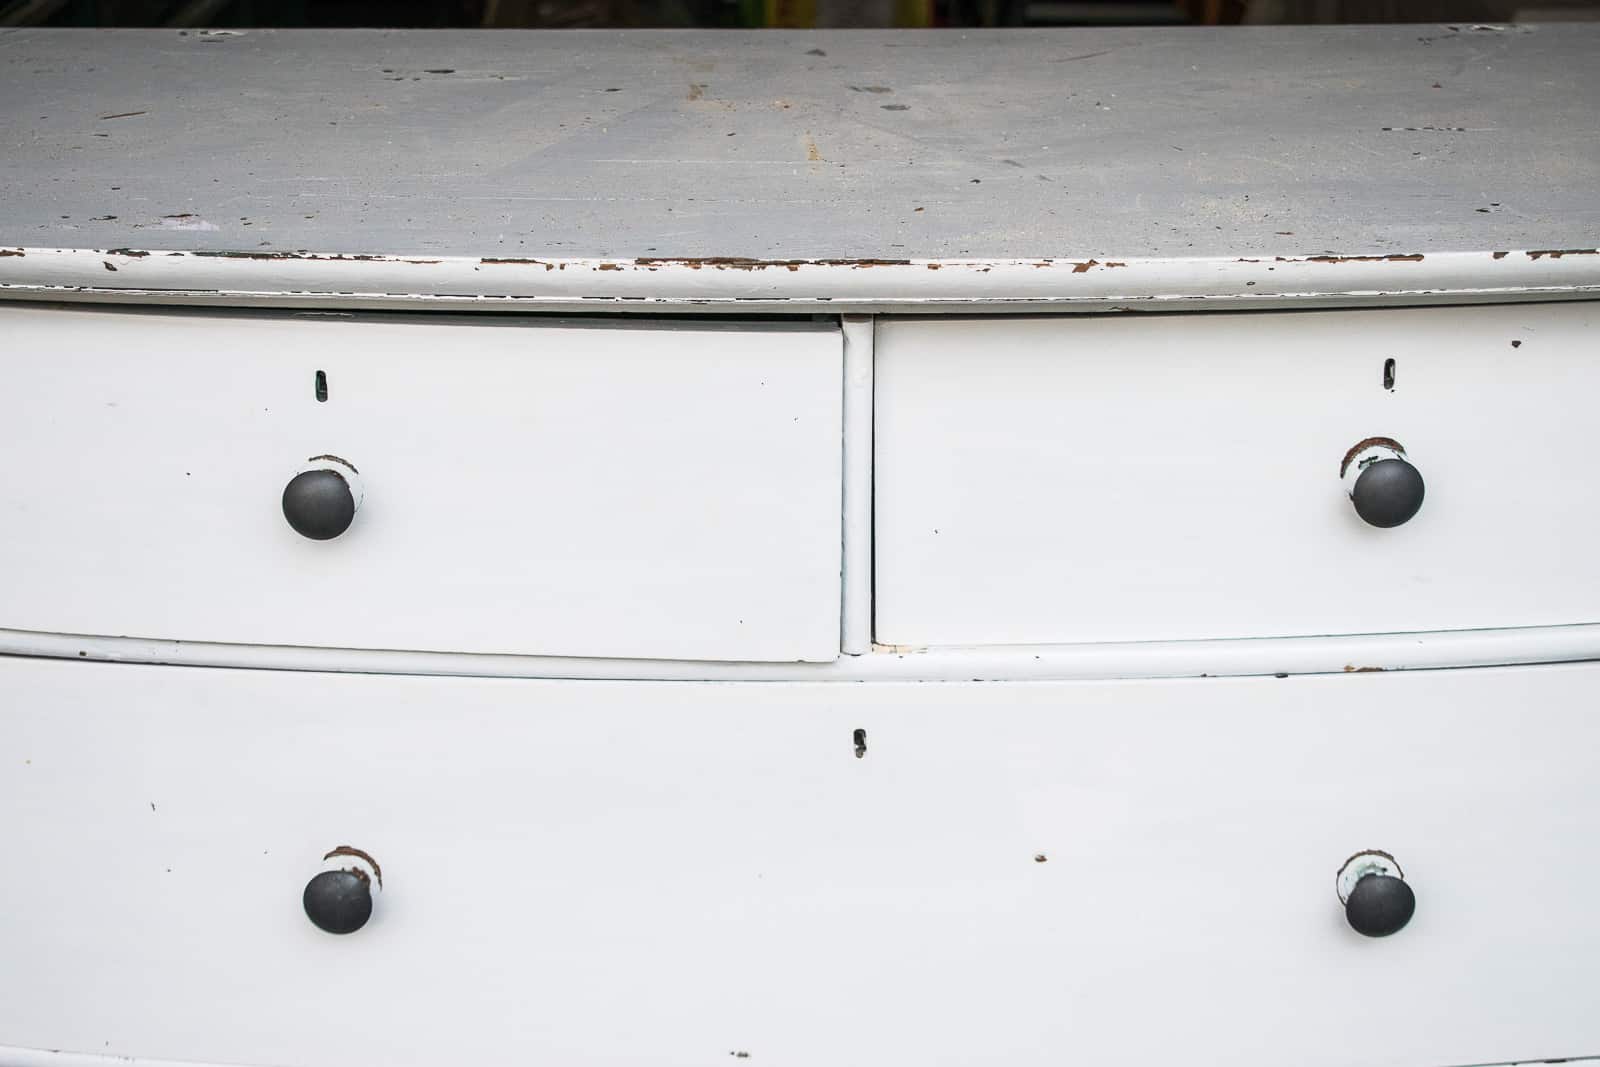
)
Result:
{"points": [[856, 624], [1177, 477], [626, 873], [569, 488]]}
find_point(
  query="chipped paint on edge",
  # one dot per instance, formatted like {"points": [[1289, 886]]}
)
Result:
{"points": [[656, 283]]}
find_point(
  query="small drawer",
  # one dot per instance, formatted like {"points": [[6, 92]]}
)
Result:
{"points": [[654, 490], [676, 873], [1155, 477]]}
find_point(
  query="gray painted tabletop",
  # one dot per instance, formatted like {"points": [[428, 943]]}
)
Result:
{"points": [[1269, 141]]}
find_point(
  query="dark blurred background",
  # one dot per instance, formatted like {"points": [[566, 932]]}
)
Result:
{"points": [[771, 13]]}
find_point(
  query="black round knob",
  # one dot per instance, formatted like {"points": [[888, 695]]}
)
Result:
{"points": [[1388, 493], [339, 902], [1379, 905], [319, 504]]}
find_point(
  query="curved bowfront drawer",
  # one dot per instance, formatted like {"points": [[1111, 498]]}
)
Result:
{"points": [[470, 485], [1165, 477], [670, 873]]}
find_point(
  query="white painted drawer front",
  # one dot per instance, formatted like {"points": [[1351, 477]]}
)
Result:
{"points": [[666, 873], [1140, 477], [592, 490]]}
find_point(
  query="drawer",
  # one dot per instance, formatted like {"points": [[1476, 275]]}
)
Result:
{"points": [[1164, 477], [657, 490], [670, 873]]}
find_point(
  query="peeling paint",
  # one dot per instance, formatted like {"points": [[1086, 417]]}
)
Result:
{"points": [[1413, 257], [1557, 253], [325, 257], [336, 459], [290, 255], [1082, 267], [741, 263], [1371, 442], [520, 262], [356, 853]]}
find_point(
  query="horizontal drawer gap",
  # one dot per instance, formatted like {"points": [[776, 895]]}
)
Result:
{"points": [[1359, 654]]}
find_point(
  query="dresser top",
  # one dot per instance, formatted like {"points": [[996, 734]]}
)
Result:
{"points": [[740, 153]]}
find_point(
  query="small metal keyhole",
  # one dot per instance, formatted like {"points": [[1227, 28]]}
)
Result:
{"points": [[859, 738], [1388, 374], [322, 386]]}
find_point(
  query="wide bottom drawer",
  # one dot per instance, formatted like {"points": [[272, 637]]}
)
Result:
{"points": [[672, 873]]}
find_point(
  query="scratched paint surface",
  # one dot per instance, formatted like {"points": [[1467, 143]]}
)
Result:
{"points": [[1084, 144]]}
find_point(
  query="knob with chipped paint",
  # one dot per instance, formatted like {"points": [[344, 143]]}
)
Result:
{"points": [[339, 899], [1376, 897], [1385, 487], [322, 498]]}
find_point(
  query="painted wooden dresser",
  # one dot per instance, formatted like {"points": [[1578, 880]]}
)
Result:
{"points": [[817, 549]]}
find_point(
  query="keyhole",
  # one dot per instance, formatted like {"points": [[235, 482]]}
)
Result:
{"points": [[322, 386], [860, 740], [1388, 374]]}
